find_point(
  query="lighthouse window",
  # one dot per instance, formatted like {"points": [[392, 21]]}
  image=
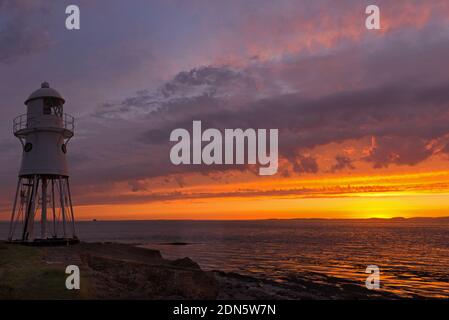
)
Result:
{"points": [[57, 110], [28, 146], [47, 109], [47, 105], [52, 106], [64, 148]]}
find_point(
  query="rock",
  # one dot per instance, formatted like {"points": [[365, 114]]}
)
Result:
{"points": [[185, 263]]}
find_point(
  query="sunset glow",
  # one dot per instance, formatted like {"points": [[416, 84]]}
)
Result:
{"points": [[381, 196], [362, 125]]}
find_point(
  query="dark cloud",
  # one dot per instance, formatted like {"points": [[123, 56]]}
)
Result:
{"points": [[342, 162], [205, 85], [138, 185], [399, 150], [304, 164], [209, 80], [381, 112]]}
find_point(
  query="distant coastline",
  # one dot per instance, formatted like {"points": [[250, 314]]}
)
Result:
{"points": [[420, 218]]}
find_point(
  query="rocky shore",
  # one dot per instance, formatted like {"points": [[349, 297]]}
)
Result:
{"points": [[121, 271]]}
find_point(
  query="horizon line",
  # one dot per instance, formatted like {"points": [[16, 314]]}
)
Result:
{"points": [[266, 219]]}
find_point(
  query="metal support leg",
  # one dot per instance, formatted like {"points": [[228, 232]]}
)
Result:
{"points": [[71, 208], [11, 224], [29, 219], [44, 209], [53, 205], [61, 193]]}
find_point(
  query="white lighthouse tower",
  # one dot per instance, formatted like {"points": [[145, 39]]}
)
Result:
{"points": [[43, 191]]}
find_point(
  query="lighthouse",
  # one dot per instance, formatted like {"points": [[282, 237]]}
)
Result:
{"points": [[42, 211]]}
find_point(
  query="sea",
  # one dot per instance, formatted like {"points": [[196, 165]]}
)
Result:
{"points": [[412, 254]]}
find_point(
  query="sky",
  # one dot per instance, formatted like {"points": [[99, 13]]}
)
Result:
{"points": [[363, 115]]}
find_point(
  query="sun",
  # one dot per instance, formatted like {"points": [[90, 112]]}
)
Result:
{"points": [[377, 207]]}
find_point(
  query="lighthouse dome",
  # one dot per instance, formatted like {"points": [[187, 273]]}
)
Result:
{"points": [[45, 92]]}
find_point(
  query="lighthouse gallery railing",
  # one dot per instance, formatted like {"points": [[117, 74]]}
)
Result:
{"points": [[23, 122]]}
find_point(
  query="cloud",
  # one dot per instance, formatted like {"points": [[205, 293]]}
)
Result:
{"points": [[18, 34], [206, 83], [305, 164], [399, 150], [314, 100], [331, 191], [342, 162], [138, 185]]}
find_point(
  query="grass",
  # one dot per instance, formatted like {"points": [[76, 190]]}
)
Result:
{"points": [[24, 274]]}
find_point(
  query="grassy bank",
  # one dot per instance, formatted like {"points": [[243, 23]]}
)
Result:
{"points": [[28, 273]]}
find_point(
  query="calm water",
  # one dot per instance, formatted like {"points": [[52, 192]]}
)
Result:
{"points": [[413, 254]]}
